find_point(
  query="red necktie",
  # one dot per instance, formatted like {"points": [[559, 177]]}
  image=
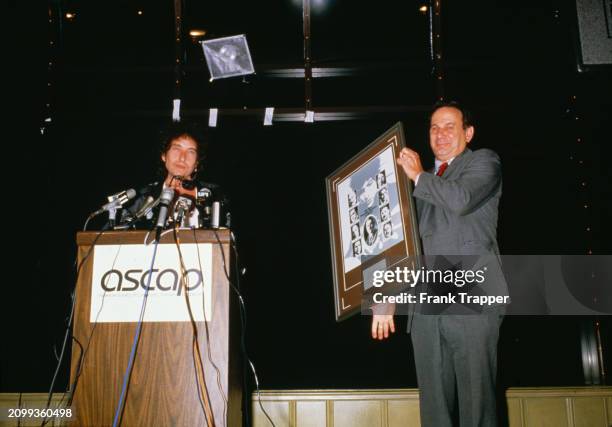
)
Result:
{"points": [[442, 168]]}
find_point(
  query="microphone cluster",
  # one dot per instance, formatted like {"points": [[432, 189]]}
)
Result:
{"points": [[171, 203]]}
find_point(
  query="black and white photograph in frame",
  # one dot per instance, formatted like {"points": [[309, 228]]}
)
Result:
{"points": [[363, 183], [370, 230], [381, 179], [352, 197], [387, 230], [354, 215], [383, 196], [355, 233], [357, 248], [385, 213]]}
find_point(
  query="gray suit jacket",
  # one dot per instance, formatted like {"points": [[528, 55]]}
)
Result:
{"points": [[457, 214]]}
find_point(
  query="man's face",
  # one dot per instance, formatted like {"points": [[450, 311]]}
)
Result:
{"points": [[369, 191], [447, 136], [384, 212], [181, 158], [383, 195]]}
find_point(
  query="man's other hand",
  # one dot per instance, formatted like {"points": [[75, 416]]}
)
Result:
{"points": [[381, 325]]}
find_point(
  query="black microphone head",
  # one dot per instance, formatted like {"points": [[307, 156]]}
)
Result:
{"points": [[188, 184], [204, 194]]}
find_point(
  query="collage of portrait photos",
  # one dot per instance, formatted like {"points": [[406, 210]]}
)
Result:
{"points": [[369, 210]]}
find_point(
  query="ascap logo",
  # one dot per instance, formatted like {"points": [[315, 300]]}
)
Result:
{"points": [[165, 280]]}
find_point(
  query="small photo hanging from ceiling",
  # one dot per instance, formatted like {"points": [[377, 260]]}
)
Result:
{"points": [[228, 57]]}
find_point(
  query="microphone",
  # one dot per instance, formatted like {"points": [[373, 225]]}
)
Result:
{"points": [[164, 201], [187, 184], [214, 217], [181, 207], [149, 204], [203, 194], [145, 210], [115, 202]]}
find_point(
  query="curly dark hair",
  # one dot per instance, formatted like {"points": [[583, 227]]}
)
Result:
{"points": [[181, 129], [468, 119]]}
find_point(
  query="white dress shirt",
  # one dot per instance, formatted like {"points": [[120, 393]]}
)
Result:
{"points": [[437, 164]]}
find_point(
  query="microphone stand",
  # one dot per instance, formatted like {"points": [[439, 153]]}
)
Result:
{"points": [[112, 217]]}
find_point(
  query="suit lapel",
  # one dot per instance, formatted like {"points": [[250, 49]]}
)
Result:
{"points": [[453, 171], [457, 165]]}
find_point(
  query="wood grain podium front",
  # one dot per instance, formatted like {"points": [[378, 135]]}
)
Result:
{"points": [[163, 389]]}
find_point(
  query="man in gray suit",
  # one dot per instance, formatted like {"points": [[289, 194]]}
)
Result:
{"points": [[457, 207]]}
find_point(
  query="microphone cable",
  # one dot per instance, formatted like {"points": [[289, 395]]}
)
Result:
{"points": [[128, 371], [70, 318], [243, 319], [207, 331], [85, 350], [196, 354]]}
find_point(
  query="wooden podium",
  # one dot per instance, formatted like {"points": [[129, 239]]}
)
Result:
{"points": [[163, 390]]}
